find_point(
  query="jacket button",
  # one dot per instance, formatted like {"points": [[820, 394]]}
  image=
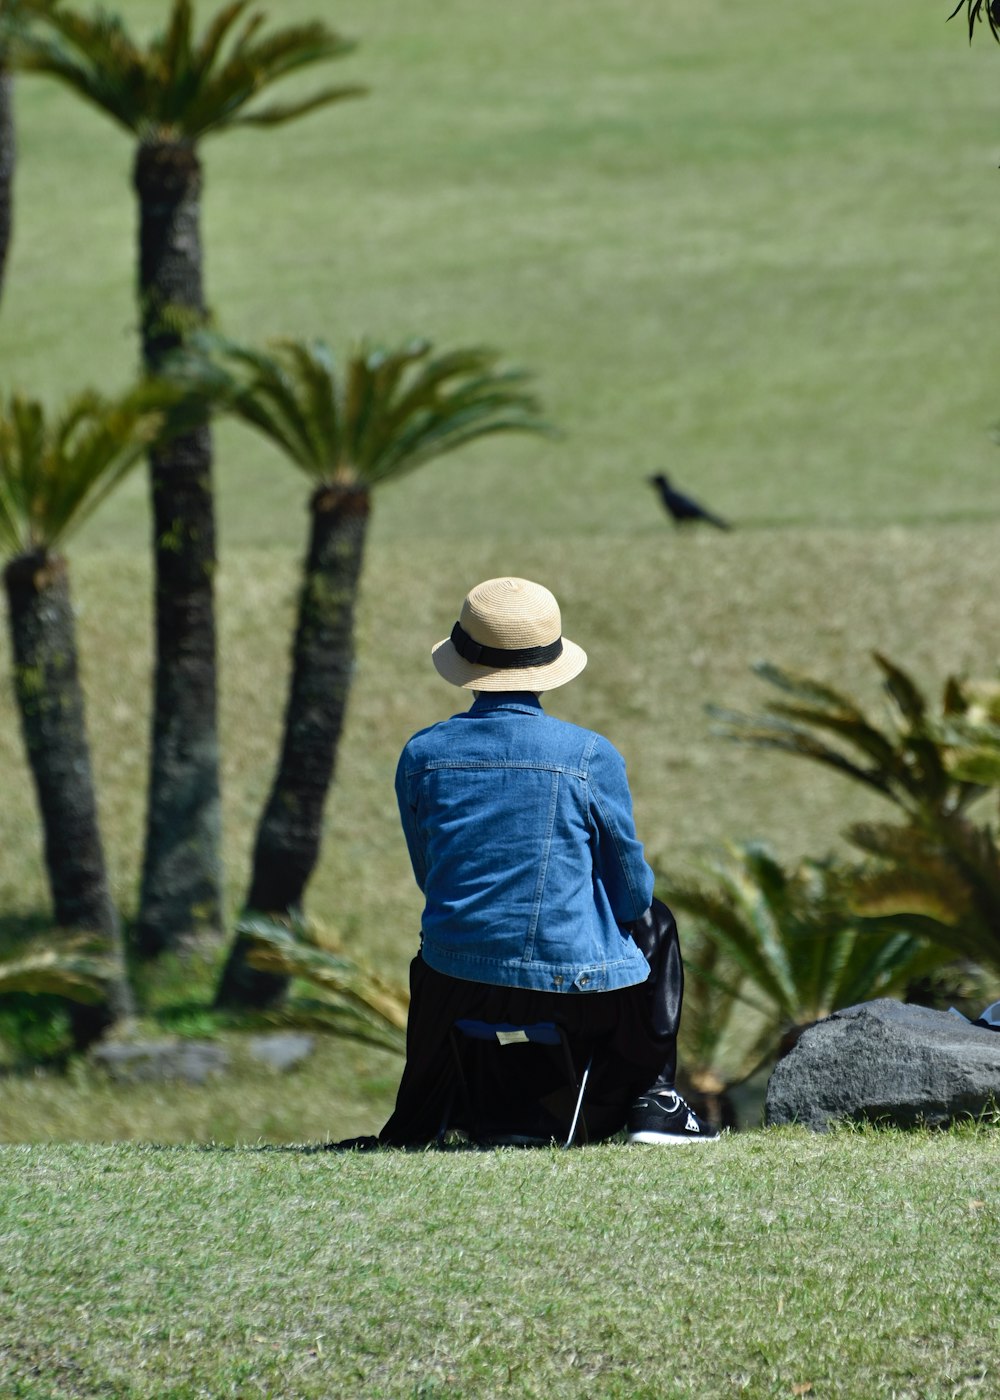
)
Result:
{"points": [[558, 981], [583, 980]]}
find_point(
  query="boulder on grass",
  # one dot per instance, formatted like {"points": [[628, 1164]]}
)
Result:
{"points": [[883, 1061]]}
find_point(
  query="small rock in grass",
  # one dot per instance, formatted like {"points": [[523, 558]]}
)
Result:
{"points": [[281, 1050], [190, 1060]]}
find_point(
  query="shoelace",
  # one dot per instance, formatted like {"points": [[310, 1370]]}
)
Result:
{"points": [[670, 1098]]}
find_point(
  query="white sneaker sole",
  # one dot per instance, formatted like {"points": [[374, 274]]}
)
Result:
{"points": [[655, 1139]]}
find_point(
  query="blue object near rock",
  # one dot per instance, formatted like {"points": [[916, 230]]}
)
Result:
{"points": [[884, 1061]]}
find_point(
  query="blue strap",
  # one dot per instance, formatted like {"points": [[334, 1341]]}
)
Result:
{"points": [[540, 1033]]}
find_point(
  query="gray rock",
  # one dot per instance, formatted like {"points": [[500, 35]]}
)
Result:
{"points": [[281, 1050], [143, 1061], [883, 1061]]}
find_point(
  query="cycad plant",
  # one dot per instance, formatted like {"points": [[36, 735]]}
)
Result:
{"points": [[939, 868], [778, 950], [349, 430], [169, 94], [53, 473]]}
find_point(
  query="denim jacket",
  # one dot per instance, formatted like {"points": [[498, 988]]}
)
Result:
{"points": [[522, 840]]}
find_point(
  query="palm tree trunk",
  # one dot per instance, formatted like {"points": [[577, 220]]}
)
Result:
{"points": [[182, 869], [8, 157], [50, 700], [290, 830]]}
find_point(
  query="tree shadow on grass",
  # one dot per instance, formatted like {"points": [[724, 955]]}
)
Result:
{"points": [[34, 1028], [18, 930]]}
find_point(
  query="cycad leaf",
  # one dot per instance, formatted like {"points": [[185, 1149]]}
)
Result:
{"points": [[73, 969], [930, 893], [852, 729], [764, 732], [904, 691], [721, 918], [976, 765], [278, 113], [209, 46], [954, 701], [807, 689], [335, 1016], [276, 949], [905, 844]]}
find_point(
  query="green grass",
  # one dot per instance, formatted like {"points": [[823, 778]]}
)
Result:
{"points": [[854, 1265], [751, 248]]}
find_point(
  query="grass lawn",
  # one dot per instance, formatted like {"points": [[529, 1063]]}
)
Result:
{"points": [[750, 248], [780, 1264]]}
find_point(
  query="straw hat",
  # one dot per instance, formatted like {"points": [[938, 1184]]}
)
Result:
{"points": [[509, 637]]}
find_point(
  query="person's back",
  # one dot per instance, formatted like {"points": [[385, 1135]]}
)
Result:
{"points": [[521, 835]]}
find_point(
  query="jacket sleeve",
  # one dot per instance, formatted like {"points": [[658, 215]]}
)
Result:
{"points": [[408, 818], [619, 863]]}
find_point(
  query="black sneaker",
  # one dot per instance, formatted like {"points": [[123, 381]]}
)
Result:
{"points": [[666, 1119]]}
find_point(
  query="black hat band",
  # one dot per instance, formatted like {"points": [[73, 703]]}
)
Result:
{"points": [[515, 659]]}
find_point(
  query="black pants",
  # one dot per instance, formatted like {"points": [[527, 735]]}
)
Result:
{"points": [[631, 1032]]}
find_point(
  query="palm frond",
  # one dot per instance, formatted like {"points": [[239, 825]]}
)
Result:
{"points": [[94, 56], [819, 706], [982, 701], [371, 396], [853, 730], [934, 893], [796, 936], [765, 731], [174, 46], [939, 880], [179, 87], [334, 1017], [976, 10], [311, 380], [807, 689], [888, 841], [914, 762], [721, 912], [387, 413], [278, 113], [976, 764], [718, 1039], [904, 691], [14, 16], [277, 948], [256, 386], [970, 738], [209, 46], [72, 968], [55, 473], [887, 964]]}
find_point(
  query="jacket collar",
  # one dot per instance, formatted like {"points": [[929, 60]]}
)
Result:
{"points": [[523, 701]]}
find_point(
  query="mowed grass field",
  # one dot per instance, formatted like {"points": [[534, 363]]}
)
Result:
{"points": [[753, 248], [857, 1265]]}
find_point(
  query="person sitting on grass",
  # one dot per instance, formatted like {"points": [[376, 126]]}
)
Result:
{"points": [[538, 900]]}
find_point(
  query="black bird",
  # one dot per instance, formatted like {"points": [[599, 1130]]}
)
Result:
{"points": [[682, 508]]}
